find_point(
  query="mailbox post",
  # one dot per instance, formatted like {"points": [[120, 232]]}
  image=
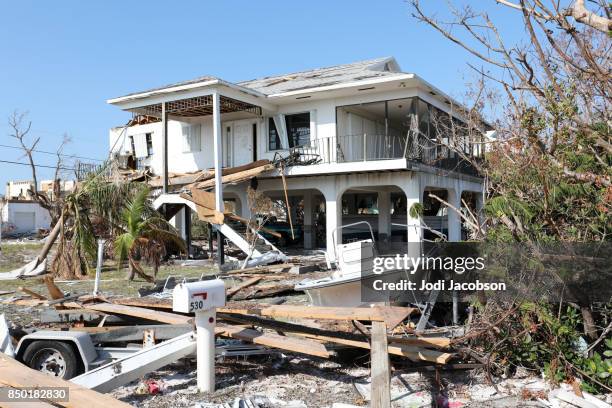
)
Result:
{"points": [[202, 298]]}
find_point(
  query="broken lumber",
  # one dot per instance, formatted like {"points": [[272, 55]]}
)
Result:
{"points": [[31, 293], [379, 367], [267, 291], [236, 177], [16, 375], [140, 312], [303, 346], [392, 315], [249, 282], [411, 352]]}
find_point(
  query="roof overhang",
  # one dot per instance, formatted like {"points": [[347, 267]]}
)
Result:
{"points": [[195, 100]]}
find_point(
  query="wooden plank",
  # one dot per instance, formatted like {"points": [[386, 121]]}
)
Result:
{"points": [[392, 315], [236, 177], [249, 282], [303, 346], [417, 353], [54, 291], [437, 342], [411, 352], [202, 198], [31, 293], [379, 369], [16, 375], [148, 314]]}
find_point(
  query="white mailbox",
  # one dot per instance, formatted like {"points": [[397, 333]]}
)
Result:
{"points": [[196, 296], [202, 298]]}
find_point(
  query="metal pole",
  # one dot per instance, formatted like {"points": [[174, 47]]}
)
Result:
{"points": [[96, 290], [205, 343]]}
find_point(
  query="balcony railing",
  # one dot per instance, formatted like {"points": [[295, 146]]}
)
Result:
{"points": [[372, 147]]}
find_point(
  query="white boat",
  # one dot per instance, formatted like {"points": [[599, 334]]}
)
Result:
{"points": [[347, 286]]}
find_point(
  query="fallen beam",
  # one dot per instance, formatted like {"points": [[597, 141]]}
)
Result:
{"points": [[16, 375], [411, 352], [236, 177], [148, 314], [297, 345], [249, 282], [392, 315]]}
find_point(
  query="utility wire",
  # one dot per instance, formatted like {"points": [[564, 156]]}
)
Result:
{"points": [[52, 153], [38, 165]]}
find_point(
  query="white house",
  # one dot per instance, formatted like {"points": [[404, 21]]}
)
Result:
{"points": [[20, 214], [368, 127], [23, 217]]}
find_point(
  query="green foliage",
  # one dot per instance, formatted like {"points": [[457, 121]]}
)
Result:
{"points": [[416, 210], [145, 233], [537, 339], [199, 228]]}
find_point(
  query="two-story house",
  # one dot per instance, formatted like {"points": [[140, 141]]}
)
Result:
{"points": [[367, 126]]}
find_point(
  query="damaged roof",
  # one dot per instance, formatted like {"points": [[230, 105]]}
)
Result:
{"points": [[356, 71], [315, 78]]}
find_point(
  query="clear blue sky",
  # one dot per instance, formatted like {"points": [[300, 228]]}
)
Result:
{"points": [[61, 60]]}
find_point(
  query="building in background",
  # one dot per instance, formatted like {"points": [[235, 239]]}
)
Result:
{"points": [[20, 214]]}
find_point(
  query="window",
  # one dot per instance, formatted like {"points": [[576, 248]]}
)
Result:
{"points": [[192, 138], [274, 142], [297, 127], [132, 147], [149, 144]]}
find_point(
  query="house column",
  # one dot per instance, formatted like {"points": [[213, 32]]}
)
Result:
{"points": [[308, 233], [187, 221], [384, 219], [453, 219], [412, 189], [218, 155], [333, 219], [164, 132]]}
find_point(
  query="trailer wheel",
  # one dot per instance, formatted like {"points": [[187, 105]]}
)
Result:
{"points": [[53, 358]]}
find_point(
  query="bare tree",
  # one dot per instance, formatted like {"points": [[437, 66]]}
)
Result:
{"points": [[20, 130], [550, 171]]}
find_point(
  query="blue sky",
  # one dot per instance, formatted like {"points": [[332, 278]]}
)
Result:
{"points": [[61, 60]]}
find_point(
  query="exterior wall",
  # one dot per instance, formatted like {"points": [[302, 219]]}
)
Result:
{"points": [[18, 189], [323, 125], [12, 213], [46, 186]]}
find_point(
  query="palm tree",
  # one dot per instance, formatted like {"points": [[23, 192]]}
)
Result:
{"points": [[145, 236]]}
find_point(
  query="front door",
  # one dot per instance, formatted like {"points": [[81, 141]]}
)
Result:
{"points": [[242, 142]]}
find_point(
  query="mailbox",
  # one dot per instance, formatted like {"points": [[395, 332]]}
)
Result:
{"points": [[198, 296]]}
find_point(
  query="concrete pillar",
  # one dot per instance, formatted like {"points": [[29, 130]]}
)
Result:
{"points": [[412, 189], [384, 219], [218, 155], [333, 219], [453, 219], [187, 226], [308, 232], [164, 134]]}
